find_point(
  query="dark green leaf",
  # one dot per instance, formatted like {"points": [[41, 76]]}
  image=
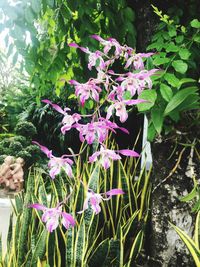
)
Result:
{"points": [[178, 98], [157, 119], [166, 92]]}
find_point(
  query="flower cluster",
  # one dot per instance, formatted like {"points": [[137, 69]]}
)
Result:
{"points": [[113, 92]]}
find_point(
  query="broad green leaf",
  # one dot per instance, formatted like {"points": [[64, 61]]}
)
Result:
{"points": [[150, 96], [178, 98], [157, 119], [172, 31], [171, 79], [166, 92], [195, 23], [184, 53], [160, 61], [179, 39], [180, 66], [197, 38], [171, 47]]}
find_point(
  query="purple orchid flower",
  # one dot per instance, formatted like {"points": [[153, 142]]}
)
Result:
{"points": [[56, 164], [136, 60], [86, 90], [97, 130], [107, 155], [68, 120], [111, 42], [120, 107], [51, 217], [94, 199], [93, 57]]}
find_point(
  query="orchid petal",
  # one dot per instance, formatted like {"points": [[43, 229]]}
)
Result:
{"points": [[114, 192], [37, 206], [128, 152], [68, 218], [44, 149]]}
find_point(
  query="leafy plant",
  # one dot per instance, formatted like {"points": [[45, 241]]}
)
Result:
{"points": [[176, 92], [116, 236], [51, 24], [192, 245]]}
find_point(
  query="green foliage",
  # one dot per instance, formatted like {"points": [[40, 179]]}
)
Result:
{"points": [[26, 129], [19, 146], [193, 197], [176, 85], [192, 245], [51, 25], [112, 238]]}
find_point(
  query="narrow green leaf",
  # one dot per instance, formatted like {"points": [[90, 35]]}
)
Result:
{"points": [[189, 196], [189, 243], [157, 119], [40, 248], [178, 98]]}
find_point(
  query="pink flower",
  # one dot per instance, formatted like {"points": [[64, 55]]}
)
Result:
{"points": [[97, 131], [91, 131], [136, 60], [94, 199], [120, 108], [137, 82], [86, 90], [68, 120], [94, 57], [107, 155], [111, 42], [56, 164], [51, 217]]}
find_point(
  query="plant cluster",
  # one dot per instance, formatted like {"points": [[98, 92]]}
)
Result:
{"points": [[19, 144], [118, 91], [175, 95], [116, 235]]}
